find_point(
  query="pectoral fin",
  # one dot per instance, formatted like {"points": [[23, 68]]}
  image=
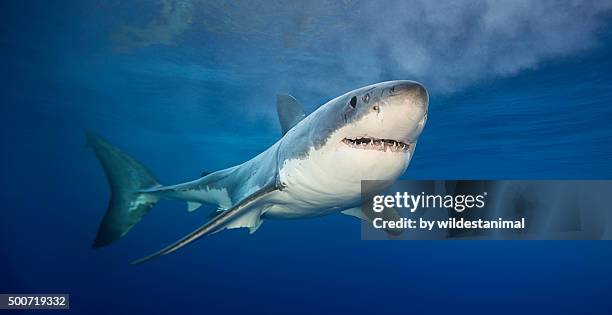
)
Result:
{"points": [[357, 213], [233, 217], [389, 214]]}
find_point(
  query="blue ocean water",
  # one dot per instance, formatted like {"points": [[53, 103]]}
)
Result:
{"points": [[204, 101]]}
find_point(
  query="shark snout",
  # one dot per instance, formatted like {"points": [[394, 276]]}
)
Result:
{"points": [[403, 110], [411, 90]]}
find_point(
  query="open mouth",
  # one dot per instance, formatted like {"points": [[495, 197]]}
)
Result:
{"points": [[377, 144]]}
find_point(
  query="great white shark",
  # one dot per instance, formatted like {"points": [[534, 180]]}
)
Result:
{"points": [[315, 169]]}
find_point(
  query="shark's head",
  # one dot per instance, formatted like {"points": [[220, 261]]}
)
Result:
{"points": [[366, 134], [371, 132], [386, 117]]}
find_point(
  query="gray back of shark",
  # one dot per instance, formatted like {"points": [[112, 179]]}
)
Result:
{"points": [[314, 169]]}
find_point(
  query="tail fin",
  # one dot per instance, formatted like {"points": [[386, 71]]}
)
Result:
{"points": [[126, 176]]}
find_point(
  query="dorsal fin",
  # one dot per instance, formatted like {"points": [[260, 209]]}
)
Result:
{"points": [[290, 112]]}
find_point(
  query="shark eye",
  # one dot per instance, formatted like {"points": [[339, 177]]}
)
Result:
{"points": [[366, 98], [376, 108], [353, 101]]}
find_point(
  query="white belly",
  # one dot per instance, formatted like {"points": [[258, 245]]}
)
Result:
{"points": [[329, 180]]}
